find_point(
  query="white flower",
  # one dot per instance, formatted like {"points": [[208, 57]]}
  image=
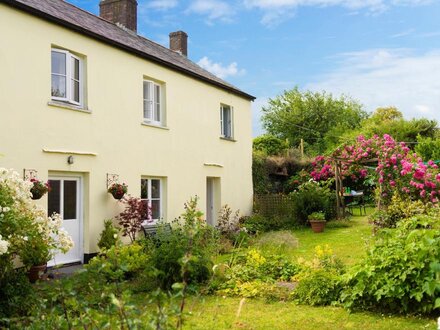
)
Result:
{"points": [[3, 246]]}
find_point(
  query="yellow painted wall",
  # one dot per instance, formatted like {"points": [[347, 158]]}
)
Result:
{"points": [[113, 130]]}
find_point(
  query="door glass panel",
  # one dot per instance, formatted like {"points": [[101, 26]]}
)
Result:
{"points": [[155, 209], [53, 200], [155, 188], [70, 192]]}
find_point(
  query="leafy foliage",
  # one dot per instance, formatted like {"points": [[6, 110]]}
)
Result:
{"points": [[318, 289], [109, 235], [313, 197], [428, 148], [270, 145], [254, 275], [401, 207], [168, 248], [400, 272], [134, 214], [318, 118]]}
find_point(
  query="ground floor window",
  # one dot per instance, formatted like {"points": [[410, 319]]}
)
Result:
{"points": [[151, 193]]}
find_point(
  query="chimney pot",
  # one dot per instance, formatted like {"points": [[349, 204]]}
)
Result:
{"points": [[123, 12], [179, 42]]}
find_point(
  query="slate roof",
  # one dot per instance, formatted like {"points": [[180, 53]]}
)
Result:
{"points": [[79, 20]]}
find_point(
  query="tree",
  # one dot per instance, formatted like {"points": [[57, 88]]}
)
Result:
{"points": [[317, 117], [270, 145], [391, 121]]}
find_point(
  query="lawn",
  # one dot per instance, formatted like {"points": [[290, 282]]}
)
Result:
{"points": [[221, 313], [348, 240]]}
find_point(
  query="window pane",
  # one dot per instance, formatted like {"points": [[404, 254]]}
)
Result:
{"points": [[53, 200], [144, 188], [70, 200], [58, 63], [75, 68], [155, 209], [155, 188], [227, 122], [58, 86], [147, 91], [75, 90], [157, 112], [148, 109]]}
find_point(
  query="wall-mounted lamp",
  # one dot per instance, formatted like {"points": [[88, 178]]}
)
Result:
{"points": [[70, 160]]}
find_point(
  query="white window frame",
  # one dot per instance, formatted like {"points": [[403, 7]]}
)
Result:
{"points": [[150, 219], [231, 123], [69, 78], [153, 102]]}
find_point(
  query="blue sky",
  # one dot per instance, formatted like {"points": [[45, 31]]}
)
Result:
{"points": [[380, 52]]}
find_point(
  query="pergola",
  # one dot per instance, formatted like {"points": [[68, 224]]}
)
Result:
{"points": [[337, 162]]}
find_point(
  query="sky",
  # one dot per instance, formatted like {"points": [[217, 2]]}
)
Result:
{"points": [[379, 52]]}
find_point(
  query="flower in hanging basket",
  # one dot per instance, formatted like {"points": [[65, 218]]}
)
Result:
{"points": [[39, 188], [118, 190]]}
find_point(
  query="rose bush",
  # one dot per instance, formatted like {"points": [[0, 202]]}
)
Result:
{"points": [[397, 168]]}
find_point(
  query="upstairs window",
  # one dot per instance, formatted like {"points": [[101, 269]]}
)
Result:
{"points": [[153, 105], [67, 77], [226, 121], [151, 193]]}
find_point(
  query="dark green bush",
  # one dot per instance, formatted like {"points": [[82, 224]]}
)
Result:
{"points": [[401, 272], [319, 288], [17, 294], [190, 239], [313, 197]]}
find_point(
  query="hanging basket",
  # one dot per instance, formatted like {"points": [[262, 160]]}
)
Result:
{"points": [[118, 194], [37, 194]]}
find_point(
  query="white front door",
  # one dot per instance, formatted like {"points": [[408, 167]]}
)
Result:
{"points": [[65, 198]]}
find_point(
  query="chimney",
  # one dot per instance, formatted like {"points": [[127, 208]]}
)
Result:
{"points": [[179, 42], [123, 12]]}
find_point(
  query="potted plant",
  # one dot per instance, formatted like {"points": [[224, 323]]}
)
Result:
{"points": [[118, 190], [39, 188], [35, 254], [317, 221]]}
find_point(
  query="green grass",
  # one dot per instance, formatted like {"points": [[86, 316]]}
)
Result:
{"points": [[221, 313], [348, 241]]}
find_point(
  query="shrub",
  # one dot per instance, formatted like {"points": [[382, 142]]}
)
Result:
{"points": [[17, 295], [270, 145], [254, 275], [134, 214], [190, 239], [120, 262], [398, 209], [399, 273], [313, 197], [229, 227], [109, 236], [319, 288]]}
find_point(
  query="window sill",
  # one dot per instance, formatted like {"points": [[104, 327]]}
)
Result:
{"points": [[68, 106], [230, 139], [155, 126]]}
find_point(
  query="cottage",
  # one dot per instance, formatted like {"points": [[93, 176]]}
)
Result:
{"points": [[85, 101]]}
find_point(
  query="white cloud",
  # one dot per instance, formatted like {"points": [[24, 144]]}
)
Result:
{"points": [[219, 69], [212, 9], [161, 4], [388, 77], [276, 11]]}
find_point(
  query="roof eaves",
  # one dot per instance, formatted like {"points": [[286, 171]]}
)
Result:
{"points": [[114, 43]]}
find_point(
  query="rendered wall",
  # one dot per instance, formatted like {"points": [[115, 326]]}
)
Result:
{"points": [[113, 130]]}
